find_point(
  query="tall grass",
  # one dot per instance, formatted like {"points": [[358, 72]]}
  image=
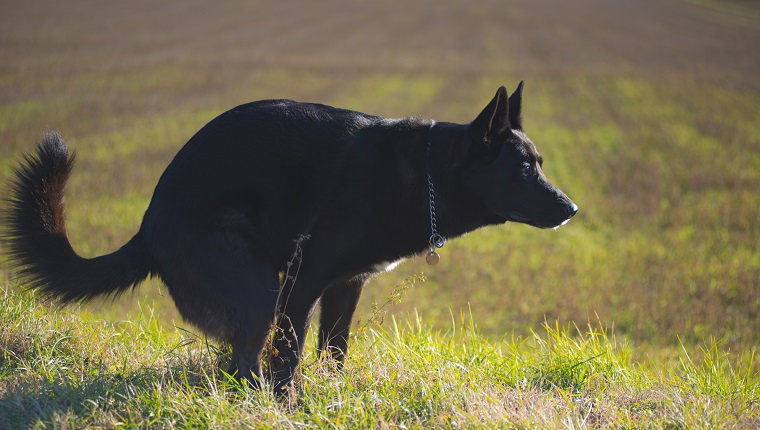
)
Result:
{"points": [[60, 369]]}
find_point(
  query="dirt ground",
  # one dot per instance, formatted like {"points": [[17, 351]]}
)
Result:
{"points": [[523, 37]]}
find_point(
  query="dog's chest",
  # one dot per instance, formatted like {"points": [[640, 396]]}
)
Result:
{"points": [[386, 266]]}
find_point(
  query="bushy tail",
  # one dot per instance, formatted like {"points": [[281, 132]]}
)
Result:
{"points": [[34, 233]]}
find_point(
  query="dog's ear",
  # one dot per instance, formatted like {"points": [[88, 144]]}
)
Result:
{"points": [[515, 108], [492, 122]]}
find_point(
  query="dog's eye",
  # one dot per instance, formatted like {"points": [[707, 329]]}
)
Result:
{"points": [[525, 168]]}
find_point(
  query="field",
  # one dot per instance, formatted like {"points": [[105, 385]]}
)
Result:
{"points": [[647, 114]]}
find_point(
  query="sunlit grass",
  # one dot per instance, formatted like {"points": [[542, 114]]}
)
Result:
{"points": [[61, 369]]}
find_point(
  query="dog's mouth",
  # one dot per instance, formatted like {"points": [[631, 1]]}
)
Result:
{"points": [[518, 217], [561, 224]]}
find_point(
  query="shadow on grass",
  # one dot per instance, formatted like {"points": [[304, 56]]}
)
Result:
{"points": [[63, 399], [108, 397]]}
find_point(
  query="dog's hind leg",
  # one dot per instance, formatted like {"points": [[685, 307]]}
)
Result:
{"points": [[337, 307], [296, 307], [253, 293], [224, 288], [247, 347]]}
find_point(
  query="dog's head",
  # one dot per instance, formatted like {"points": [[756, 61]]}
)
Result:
{"points": [[503, 167]]}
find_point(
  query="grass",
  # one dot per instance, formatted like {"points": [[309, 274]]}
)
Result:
{"points": [[61, 369]]}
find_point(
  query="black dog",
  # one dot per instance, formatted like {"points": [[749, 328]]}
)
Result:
{"points": [[220, 229]]}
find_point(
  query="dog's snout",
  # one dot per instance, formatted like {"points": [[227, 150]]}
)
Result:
{"points": [[572, 209]]}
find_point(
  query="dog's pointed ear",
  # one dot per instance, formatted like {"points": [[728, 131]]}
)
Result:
{"points": [[515, 107], [490, 123]]}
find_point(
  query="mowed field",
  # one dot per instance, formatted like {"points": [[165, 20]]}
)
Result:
{"points": [[647, 114]]}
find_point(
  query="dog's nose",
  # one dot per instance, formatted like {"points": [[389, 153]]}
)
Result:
{"points": [[572, 209]]}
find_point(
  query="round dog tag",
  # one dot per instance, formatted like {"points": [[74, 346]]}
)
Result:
{"points": [[432, 258]]}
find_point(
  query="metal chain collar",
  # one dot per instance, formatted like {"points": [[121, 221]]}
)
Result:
{"points": [[437, 240]]}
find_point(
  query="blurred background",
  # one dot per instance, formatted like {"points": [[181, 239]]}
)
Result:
{"points": [[647, 114]]}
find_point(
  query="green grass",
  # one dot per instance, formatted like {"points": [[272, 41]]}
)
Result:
{"points": [[61, 369]]}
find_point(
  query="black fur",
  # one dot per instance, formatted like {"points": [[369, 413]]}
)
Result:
{"points": [[36, 233], [225, 216]]}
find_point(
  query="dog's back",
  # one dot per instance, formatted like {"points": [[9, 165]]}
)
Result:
{"points": [[267, 170]]}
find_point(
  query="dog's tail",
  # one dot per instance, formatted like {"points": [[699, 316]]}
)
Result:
{"points": [[35, 238]]}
